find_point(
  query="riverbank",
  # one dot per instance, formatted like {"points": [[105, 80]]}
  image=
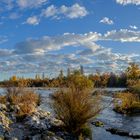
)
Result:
{"points": [[110, 119]]}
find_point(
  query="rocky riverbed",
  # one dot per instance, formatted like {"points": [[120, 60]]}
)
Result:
{"points": [[42, 125]]}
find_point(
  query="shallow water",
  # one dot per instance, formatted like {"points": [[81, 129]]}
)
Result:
{"points": [[108, 116]]}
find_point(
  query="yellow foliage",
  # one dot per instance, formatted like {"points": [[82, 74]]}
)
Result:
{"points": [[75, 108]]}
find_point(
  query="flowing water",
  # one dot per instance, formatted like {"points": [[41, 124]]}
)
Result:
{"points": [[108, 116]]}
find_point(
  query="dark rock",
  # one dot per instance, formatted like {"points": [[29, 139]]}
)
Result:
{"points": [[122, 132]]}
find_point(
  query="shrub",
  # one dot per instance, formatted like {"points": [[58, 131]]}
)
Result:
{"points": [[136, 89], [25, 109], [24, 98], [75, 108], [16, 95], [3, 99], [127, 103], [79, 82]]}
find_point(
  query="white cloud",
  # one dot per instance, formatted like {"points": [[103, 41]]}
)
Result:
{"points": [[5, 52], [46, 43], [40, 55], [30, 3], [123, 35], [126, 2], [3, 39], [106, 20], [50, 11], [74, 11], [133, 27], [34, 20]]}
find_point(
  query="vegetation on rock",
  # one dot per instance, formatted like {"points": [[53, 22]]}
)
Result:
{"points": [[129, 102]]}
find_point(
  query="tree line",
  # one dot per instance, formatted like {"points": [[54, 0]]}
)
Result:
{"points": [[129, 77]]}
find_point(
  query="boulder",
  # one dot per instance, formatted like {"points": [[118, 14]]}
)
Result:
{"points": [[3, 107], [39, 120], [4, 120]]}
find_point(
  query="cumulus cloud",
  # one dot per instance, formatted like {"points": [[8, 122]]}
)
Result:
{"points": [[133, 27], [40, 55], [50, 11], [74, 11], [106, 20], [123, 35], [45, 44], [5, 52], [34, 20], [21, 4], [30, 3], [126, 2]]}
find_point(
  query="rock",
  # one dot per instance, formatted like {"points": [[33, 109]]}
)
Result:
{"points": [[4, 120], [2, 130], [51, 138], [134, 135], [15, 108], [122, 132], [36, 137], [35, 121], [116, 131], [56, 122], [98, 123], [3, 107], [13, 138], [1, 137]]}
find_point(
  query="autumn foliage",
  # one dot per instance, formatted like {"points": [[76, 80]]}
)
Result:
{"points": [[76, 105]]}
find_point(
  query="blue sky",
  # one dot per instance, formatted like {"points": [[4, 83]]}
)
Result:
{"points": [[48, 35]]}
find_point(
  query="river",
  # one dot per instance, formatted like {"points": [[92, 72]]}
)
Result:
{"points": [[108, 116]]}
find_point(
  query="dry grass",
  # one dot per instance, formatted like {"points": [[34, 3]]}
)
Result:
{"points": [[26, 109], [3, 99], [128, 102], [136, 89], [75, 108], [26, 100], [16, 95]]}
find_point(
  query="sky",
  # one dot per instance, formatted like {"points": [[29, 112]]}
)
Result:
{"points": [[39, 36]]}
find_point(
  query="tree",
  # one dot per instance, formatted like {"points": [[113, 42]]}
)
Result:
{"points": [[133, 74], [79, 81], [81, 70], [68, 72], [61, 75], [43, 75], [112, 82], [133, 71], [13, 78]]}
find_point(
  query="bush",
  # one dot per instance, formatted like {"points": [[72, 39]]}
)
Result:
{"points": [[127, 103], [136, 89], [25, 109], [16, 95], [22, 98], [79, 82], [75, 108], [3, 99]]}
